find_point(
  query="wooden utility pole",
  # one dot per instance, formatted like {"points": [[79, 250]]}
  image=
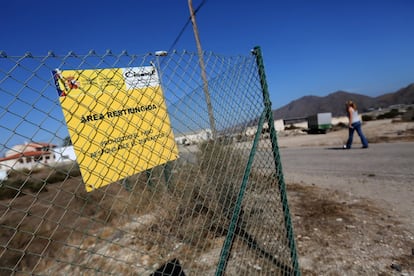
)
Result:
{"points": [[203, 71]]}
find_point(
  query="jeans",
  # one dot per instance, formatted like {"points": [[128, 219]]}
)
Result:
{"points": [[356, 126]]}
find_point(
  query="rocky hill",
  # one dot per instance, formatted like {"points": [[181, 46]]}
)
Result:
{"points": [[335, 103]]}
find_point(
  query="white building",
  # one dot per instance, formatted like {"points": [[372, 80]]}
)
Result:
{"points": [[194, 138], [3, 175], [279, 126], [34, 155], [28, 156], [64, 154]]}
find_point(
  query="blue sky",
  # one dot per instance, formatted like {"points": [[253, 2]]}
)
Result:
{"points": [[309, 47]]}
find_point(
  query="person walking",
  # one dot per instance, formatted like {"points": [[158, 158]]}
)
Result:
{"points": [[354, 124]]}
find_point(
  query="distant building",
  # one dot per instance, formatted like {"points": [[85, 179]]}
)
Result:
{"points": [[34, 155], [194, 138], [3, 175], [64, 154], [278, 124]]}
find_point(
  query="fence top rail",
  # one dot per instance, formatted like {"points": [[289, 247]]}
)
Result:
{"points": [[108, 52]]}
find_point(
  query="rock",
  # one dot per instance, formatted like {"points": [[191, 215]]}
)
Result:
{"points": [[145, 260], [172, 268], [396, 267]]}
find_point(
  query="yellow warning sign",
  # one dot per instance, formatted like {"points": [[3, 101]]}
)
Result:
{"points": [[117, 120]]}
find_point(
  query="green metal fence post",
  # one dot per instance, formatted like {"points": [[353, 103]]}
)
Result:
{"points": [[167, 174], [228, 242], [278, 166], [148, 173]]}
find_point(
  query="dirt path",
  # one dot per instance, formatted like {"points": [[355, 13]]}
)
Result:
{"points": [[352, 225], [336, 232], [382, 173]]}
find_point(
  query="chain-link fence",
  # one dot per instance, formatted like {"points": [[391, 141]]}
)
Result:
{"points": [[135, 165]]}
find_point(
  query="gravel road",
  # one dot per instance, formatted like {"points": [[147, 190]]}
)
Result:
{"points": [[384, 172], [352, 210]]}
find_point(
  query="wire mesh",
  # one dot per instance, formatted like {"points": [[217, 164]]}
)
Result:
{"points": [[169, 216]]}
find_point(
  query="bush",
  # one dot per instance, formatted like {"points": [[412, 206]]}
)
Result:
{"points": [[212, 192], [13, 187], [291, 127], [367, 118], [389, 115], [339, 126], [35, 180]]}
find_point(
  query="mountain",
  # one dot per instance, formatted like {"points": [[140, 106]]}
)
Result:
{"points": [[403, 96], [335, 103]]}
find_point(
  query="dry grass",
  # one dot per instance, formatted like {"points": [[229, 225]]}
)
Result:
{"points": [[191, 209], [133, 229]]}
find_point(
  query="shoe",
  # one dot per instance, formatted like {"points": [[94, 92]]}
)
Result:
{"points": [[345, 147], [365, 147]]}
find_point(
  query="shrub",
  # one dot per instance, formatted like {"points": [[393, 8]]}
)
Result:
{"points": [[367, 118], [13, 187], [390, 114], [35, 180], [291, 127], [339, 126]]}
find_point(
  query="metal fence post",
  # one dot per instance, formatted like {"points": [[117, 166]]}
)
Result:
{"points": [[228, 242], [215, 190], [278, 166]]}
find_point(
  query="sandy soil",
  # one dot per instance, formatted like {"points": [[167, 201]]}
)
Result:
{"points": [[338, 233]]}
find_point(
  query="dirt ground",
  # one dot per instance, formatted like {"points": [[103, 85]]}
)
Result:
{"points": [[336, 234], [340, 234]]}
